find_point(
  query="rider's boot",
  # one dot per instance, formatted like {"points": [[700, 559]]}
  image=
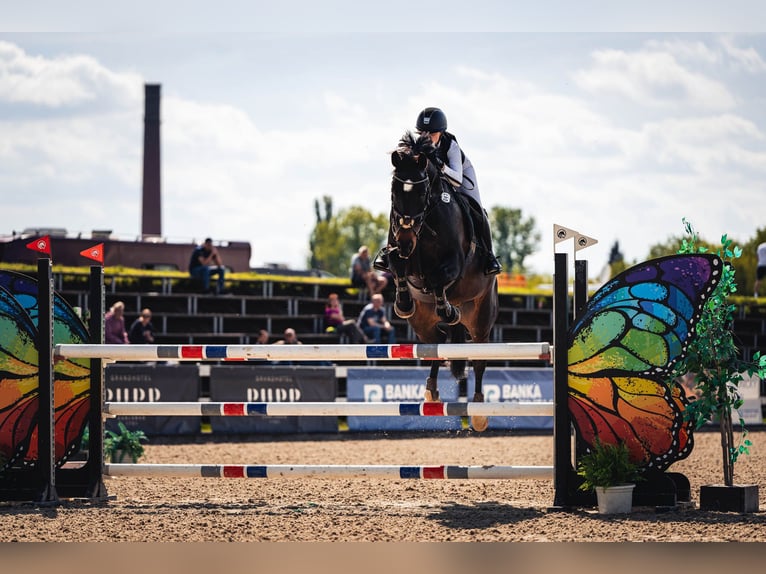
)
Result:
{"points": [[493, 266]]}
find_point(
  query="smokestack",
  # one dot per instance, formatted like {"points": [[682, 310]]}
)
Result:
{"points": [[151, 212]]}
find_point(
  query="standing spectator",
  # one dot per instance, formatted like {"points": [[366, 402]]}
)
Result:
{"points": [[373, 321], [760, 271], [142, 331], [114, 325], [335, 321], [205, 262], [363, 275]]}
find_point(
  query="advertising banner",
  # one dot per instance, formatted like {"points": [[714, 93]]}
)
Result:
{"points": [[126, 382], [272, 384], [521, 385], [401, 385], [750, 391]]}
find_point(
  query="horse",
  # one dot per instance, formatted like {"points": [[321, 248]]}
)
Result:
{"points": [[441, 288]]}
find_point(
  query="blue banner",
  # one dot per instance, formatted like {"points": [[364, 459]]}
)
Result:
{"points": [[520, 385], [400, 385]]}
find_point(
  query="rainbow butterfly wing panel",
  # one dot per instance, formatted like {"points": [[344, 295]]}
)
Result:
{"points": [[622, 351], [19, 400], [71, 376]]}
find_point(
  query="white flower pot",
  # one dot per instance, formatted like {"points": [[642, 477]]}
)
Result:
{"points": [[615, 499]]}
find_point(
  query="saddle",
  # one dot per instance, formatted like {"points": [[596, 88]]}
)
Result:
{"points": [[473, 215]]}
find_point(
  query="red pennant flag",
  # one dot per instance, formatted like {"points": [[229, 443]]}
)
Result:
{"points": [[41, 244], [96, 253]]}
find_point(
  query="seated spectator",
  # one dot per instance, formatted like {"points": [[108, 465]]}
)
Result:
{"points": [[363, 275], [263, 337], [114, 325], [142, 331], [373, 322], [205, 262], [335, 322], [290, 338]]}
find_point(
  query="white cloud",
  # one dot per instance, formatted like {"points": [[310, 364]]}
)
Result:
{"points": [[561, 154], [747, 59], [66, 81], [654, 78]]}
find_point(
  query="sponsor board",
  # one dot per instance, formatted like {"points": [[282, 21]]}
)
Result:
{"points": [[125, 382], [520, 385], [401, 385], [272, 384]]}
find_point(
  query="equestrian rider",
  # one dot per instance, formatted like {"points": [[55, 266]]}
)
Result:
{"points": [[456, 168]]}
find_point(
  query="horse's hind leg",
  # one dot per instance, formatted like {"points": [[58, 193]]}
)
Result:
{"points": [[432, 389], [479, 423]]}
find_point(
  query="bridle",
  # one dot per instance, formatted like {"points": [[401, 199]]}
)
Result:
{"points": [[414, 222]]}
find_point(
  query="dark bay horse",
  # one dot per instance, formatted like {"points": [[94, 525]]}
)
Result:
{"points": [[441, 288]]}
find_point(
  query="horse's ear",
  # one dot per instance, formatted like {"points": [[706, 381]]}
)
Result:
{"points": [[422, 161], [396, 158]]}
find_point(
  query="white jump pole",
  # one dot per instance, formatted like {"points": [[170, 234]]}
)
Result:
{"points": [[478, 351], [488, 472], [341, 409]]}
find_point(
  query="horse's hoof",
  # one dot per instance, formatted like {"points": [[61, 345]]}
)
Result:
{"points": [[479, 424], [404, 313], [431, 396]]}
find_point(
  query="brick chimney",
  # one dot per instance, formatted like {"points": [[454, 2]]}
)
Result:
{"points": [[151, 210]]}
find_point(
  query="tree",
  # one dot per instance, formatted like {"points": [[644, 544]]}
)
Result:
{"points": [[744, 265], [712, 357], [747, 264], [616, 260], [514, 237], [335, 238]]}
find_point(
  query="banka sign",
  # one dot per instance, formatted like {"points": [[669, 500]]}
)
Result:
{"points": [[404, 392], [272, 384], [127, 383], [372, 385], [520, 384]]}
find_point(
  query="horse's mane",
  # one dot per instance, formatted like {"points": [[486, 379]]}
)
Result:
{"points": [[411, 146]]}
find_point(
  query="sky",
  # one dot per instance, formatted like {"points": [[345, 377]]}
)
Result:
{"points": [[591, 122]]}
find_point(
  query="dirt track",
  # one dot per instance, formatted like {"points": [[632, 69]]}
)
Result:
{"points": [[199, 509]]}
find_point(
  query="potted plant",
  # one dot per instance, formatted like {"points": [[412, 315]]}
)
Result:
{"points": [[713, 361], [608, 470], [124, 445]]}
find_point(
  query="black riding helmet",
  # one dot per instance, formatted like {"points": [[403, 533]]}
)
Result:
{"points": [[431, 120]]}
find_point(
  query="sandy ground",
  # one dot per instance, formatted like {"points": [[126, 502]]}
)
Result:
{"points": [[250, 510]]}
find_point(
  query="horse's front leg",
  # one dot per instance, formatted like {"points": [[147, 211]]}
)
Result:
{"points": [[479, 423], [446, 311], [404, 306], [432, 388]]}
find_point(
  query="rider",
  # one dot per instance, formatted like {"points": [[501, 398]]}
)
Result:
{"points": [[454, 166]]}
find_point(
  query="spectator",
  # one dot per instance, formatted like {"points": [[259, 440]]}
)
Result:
{"points": [[760, 271], [334, 321], [114, 325], [205, 262], [290, 338], [373, 321], [363, 275], [142, 331], [263, 337]]}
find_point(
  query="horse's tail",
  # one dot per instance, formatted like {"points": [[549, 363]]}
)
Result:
{"points": [[457, 366]]}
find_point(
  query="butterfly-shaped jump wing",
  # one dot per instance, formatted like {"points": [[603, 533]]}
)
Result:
{"points": [[622, 350]]}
